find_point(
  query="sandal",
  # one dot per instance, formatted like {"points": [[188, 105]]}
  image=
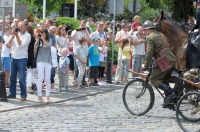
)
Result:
{"points": [[40, 100]]}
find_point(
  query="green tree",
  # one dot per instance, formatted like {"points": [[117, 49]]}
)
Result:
{"points": [[180, 9], [36, 6]]}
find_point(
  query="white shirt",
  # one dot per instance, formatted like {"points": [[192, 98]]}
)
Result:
{"points": [[78, 35], [5, 50], [121, 34], [54, 56], [61, 42], [1, 32], [98, 35], [103, 54], [21, 51], [138, 49]]}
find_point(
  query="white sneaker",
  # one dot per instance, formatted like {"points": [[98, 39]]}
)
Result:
{"points": [[53, 90], [100, 83], [105, 83]]}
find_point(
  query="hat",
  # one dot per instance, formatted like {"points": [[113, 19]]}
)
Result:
{"points": [[148, 25], [94, 39]]}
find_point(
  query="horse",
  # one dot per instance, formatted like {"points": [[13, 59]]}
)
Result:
{"points": [[177, 37]]}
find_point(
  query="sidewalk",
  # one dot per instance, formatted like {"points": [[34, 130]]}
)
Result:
{"points": [[56, 97]]}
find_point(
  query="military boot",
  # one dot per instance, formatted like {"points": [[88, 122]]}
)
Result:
{"points": [[170, 95]]}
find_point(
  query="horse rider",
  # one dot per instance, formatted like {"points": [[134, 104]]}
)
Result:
{"points": [[197, 16], [155, 44]]}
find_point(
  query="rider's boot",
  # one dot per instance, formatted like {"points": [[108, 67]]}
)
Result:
{"points": [[170, 95]]}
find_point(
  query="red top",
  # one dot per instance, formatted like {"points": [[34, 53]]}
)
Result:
{"points": [[135, 25], [71, 50]]}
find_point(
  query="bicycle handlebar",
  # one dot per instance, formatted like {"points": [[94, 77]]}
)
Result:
{"points": [[136, 73]]}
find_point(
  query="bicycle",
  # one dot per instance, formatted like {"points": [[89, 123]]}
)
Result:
{"points": [[139, 89], [188, 112]]}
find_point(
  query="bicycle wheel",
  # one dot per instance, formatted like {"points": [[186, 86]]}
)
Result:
{"points": [[188, 112], [138, 97]]}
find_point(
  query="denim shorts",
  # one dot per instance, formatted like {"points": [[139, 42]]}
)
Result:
{"points": [[6, 63]]}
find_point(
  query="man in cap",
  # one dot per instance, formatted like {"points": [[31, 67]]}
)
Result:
{"points": [[158, 46]]}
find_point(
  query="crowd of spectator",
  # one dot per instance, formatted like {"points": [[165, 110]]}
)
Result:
{"points": [[36, 53]]}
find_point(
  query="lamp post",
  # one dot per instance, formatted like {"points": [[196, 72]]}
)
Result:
{"points": [[75, 8], [44, 9], [13, 9]]}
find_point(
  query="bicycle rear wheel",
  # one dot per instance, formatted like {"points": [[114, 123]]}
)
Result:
{"points": [[138, 97], [188, 112]]}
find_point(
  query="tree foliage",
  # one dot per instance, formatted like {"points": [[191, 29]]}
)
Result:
{"points": [[36, 6], [179, 9]]}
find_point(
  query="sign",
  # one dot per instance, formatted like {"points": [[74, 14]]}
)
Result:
{"points": [[138, 6], [6, 3], [119, 7]]}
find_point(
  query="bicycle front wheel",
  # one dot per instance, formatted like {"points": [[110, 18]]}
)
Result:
{"points": [[138, 97], [188, 112]]}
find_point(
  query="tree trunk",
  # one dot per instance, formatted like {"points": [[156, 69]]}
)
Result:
{"points": [[181, 10]]}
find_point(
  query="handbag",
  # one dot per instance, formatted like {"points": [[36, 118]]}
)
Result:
{"points": [[163, 62], [102, 64]]}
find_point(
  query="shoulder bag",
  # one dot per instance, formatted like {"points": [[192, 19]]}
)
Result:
{"points": [[163, 62]]}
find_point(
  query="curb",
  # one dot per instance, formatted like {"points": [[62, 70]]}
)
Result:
{"points": [[61, 101]]}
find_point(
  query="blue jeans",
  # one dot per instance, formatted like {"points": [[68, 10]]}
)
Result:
{"points": [[18, 66], [125, 65], [137, 63], [53, 74]]}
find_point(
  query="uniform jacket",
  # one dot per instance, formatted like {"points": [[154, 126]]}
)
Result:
{"points": [[154, 45]]}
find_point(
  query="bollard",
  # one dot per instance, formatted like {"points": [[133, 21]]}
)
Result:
{"points": [[3, 96], [108, 73]]}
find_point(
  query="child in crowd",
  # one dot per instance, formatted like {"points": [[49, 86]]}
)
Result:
{"points": [[81, 60], [126, 55], [63, 75], [93, 52], [103, 49]]}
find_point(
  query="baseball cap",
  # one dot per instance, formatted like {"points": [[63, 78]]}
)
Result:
{"points": [[95, 39]]}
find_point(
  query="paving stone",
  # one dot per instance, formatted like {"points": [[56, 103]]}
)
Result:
{"points": [[102, 112]]}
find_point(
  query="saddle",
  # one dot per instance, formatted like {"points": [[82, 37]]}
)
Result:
{"points": [[193, 51]]}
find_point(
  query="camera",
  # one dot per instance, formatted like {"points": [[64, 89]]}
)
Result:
{"points": [[69, 32], [80, 29], [39, 35], [17, 29]]}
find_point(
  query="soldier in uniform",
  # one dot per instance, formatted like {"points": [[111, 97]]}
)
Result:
{"points": [[155, 42]]}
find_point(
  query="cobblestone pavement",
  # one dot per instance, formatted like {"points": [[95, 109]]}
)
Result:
{"points": [[32, 99], [101, 112]]}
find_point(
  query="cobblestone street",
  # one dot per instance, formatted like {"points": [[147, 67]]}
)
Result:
{"points": [[102, 112]]}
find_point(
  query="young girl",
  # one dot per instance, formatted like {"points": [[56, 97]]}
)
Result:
{"points": [[103, 49], [126, 55]]}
